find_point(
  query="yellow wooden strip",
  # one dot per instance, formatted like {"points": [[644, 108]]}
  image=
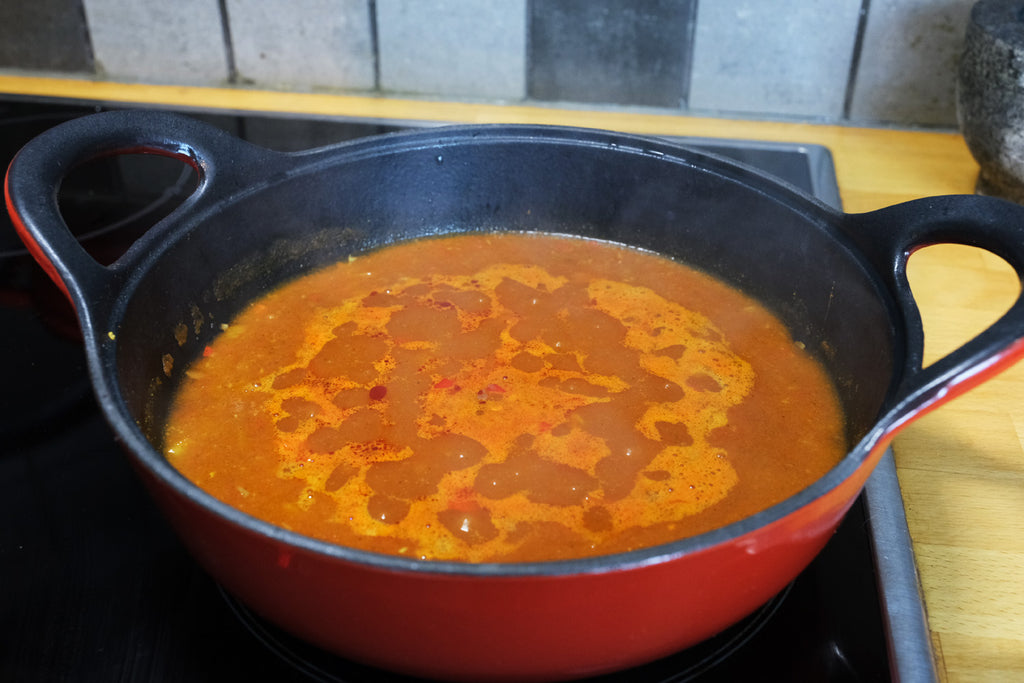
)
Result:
{"points": [[982, 660], [974, 592], [958, 511]]}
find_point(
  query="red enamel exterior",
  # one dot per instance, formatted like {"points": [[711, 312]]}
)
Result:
{"points": [[544, 621], [508, 628], [31, 244]]}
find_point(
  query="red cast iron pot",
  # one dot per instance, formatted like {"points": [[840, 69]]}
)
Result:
{"points": [[259, 218]]}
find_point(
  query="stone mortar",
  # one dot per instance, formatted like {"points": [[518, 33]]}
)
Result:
{"points": [[990, 96]]}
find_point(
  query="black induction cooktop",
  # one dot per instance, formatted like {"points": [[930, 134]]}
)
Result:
{"points": [[95, 587]]}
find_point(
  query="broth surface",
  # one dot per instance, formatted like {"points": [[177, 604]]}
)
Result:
{"points": [[504, 397]]}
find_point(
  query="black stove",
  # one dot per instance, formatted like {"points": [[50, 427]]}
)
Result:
{"points": [[94, 586]]}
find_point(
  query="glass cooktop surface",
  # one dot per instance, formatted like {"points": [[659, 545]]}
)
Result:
{"points": [[96, 587]]}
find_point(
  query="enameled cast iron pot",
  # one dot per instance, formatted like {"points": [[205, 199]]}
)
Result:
{"points": [[259, 218]]}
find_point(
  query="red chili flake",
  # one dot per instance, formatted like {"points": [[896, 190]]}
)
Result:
{"points": [[444, 383], [545, 426], [495, 389], [463, 500], [207, 351], [378, 392]]}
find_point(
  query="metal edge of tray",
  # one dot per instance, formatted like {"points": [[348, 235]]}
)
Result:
{"points": [[824, 185], [909, 639]]}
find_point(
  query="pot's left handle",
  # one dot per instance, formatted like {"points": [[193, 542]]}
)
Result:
{"points": [[221, 161]]}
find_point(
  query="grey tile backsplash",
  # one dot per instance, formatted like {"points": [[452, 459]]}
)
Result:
{"points": [[752, 58], [48, 35], [153, 41], [630, 52], [908, 61], [857, 61], [452, 48], [304, 44]]}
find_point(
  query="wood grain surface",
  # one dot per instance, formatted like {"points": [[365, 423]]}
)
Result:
{"points": [[961, 468]]}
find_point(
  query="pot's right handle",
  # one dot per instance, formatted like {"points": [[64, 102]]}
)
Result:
{"points": [[888, 237], [224, 164]]}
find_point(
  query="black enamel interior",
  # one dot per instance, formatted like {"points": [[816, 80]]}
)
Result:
{"points": [[727, 220]]}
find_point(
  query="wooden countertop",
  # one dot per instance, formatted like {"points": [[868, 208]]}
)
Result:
{"points": [[961, 467]]}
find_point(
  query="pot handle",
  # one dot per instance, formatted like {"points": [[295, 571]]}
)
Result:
{"points": [[888, 237], [221, 161]]}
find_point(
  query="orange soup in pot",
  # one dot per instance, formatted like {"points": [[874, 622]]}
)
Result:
{"points": [[496, 397]]}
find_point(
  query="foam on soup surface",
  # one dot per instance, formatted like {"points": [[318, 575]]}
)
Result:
{"points": [[504, 397]]}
